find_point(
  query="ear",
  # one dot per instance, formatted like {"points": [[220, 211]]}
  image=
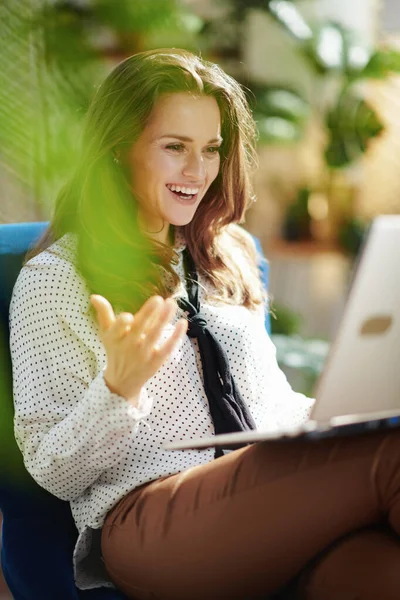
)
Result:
{"points": [[116, 153]]}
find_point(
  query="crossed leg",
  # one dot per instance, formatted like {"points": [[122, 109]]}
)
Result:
{"points": [[244, 525]]}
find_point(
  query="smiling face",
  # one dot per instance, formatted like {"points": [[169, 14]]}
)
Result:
{"points": [[175, 160]]}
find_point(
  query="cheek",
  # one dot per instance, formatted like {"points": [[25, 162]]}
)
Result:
{"points": [[162, 166], [213, 170], [156, 169]]}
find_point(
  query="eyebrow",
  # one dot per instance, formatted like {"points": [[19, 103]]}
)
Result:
{"points": [[184, 138]]}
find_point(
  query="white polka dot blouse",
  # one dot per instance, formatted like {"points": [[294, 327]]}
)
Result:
{"points": [[87, 445]]}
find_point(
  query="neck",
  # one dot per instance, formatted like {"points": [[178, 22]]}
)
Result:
{"points": [[157, 230]]}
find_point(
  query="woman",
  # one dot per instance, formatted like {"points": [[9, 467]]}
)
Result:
{"points": [[104, 373]]}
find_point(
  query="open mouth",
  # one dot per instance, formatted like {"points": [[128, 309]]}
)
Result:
{"points": [[183, 193]]}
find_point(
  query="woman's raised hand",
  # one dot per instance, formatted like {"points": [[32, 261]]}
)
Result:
{"points": [[132, 342]]}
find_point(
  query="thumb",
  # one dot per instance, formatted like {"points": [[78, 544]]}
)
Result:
{"points": [[104, 312]]}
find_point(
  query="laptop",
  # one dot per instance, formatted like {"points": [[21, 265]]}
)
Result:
{"points": [[359, 389]]}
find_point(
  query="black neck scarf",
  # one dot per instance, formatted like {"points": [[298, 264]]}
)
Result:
{"points": [[228, 409]]}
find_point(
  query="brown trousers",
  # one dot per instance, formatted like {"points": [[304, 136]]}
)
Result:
{"points": [[247, 524]]}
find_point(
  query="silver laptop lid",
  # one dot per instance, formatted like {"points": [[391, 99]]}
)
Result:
{"points": [[362, 375]]}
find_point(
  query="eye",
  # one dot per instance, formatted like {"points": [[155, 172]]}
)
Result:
{"points": [[175, 147], [213, 149]]}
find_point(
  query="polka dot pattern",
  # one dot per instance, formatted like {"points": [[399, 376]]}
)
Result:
{"points": [[88, 446]]}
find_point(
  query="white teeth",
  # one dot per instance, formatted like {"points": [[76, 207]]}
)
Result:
{"points": [[185, 190]]}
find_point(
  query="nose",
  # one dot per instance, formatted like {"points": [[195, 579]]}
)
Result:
{"points": [[194, 167]]}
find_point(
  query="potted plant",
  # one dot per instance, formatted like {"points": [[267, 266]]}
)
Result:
{"points": [[340, 64]]}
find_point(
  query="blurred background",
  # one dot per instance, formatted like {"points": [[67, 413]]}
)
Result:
{"points": [[323, 79]]}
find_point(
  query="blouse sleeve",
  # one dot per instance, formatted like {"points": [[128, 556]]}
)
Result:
{"points": [[68, 425], [290, 408]]}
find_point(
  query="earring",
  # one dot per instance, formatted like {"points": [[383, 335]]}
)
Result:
{"points": [[116, 160]]}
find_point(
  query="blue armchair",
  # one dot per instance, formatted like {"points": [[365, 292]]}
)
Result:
{"points": [[38, 533]]}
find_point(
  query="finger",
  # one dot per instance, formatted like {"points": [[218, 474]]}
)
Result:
{"points": [[147, 314], [160, 320], [104, 312], [163, 352], [122, 326]]}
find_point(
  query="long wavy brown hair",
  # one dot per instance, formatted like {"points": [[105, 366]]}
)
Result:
{"points": [[114, 255]]}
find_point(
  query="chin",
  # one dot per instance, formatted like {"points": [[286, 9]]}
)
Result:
{"points": [[181, 221]]}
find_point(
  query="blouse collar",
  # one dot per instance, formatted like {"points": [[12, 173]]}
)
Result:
{"points": [[179, 240]]}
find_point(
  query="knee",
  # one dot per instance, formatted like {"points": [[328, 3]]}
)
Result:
{"points": [[362, 566]]}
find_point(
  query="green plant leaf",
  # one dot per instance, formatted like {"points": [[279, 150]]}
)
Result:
{"points": [[280, 113], [381, 64], [136, 17], [351, 124], [277, 130], [336, 153], [335, 48], [351, 235], [285, 321], [281, 103]]}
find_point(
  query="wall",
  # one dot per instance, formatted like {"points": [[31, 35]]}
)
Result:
{"points": [[360, 15], [390, 16]]}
